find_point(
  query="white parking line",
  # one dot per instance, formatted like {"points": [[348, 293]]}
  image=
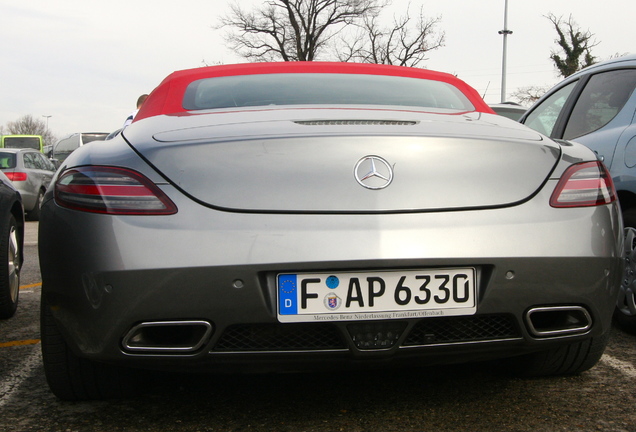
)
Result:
{"points": [[11, 384], [625, 368]]}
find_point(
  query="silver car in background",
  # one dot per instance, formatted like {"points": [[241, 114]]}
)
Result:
{"points": [[72, 142], [290, 216], [597, 107], [31, 173]]}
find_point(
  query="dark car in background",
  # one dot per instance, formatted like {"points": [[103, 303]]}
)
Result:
{"points": [[597, 107], [72, 142], [11, 243], [31, 173], [303, 215]]}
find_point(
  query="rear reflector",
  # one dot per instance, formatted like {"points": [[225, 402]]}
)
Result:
{"points": [[111, 190], [584, 185], [16, 176]]}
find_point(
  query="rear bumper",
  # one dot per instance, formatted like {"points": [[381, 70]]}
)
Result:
{"points": [[104, 276]]}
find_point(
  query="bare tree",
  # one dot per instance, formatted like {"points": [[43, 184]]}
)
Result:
{"points": [[575, 44], [528, 95], [404, 44], [28, 125], [291, 30]]}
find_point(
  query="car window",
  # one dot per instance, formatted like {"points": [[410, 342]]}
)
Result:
{"points": [[38, 161], [28, 161], [601, 100], [90, 137], [322, 89], [47, 164], [7, 160], [544, 117], [67, 145]]}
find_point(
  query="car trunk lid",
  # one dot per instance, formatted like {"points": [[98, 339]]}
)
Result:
{"points": [[351, 163]]}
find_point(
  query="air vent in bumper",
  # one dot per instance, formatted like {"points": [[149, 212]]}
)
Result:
{"points": [[280, 337], [366, 336], [475, 328]]}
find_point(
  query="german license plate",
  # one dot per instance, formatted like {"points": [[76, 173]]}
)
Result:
{"points": [[304, 297]]}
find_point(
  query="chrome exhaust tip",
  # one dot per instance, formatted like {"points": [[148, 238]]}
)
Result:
{"points": [[167, 337], [551, 321]]}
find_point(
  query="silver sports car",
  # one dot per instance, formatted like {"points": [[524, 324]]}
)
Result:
{"points": [[290, 216]]}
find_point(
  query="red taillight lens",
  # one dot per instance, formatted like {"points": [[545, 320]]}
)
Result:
{"points": [[16, 176], [584, 185], [111, 190]]}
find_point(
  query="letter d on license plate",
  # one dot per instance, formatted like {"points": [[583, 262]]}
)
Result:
{"points": [[306, 297]]}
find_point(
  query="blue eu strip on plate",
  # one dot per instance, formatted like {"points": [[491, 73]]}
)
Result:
{"points": [[287, 294]]}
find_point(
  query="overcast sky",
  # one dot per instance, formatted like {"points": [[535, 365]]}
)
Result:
{"points": [[84, 63]]}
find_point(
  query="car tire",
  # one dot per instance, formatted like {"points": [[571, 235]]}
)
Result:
{"points": [[9, 269], [570, 359], [73, 378], [34, 214], [625, 312]]}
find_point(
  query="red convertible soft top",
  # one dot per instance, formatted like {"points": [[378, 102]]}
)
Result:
{"points": [[167, 98]]}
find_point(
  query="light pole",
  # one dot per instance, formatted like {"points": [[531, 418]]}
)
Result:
{"points": [[46, 137], [505, 32], [47, 121]]}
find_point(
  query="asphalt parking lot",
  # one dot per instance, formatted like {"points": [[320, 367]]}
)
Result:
{"points": [[475, 397]]}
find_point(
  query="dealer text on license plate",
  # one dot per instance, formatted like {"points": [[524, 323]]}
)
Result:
{"points": [[375, 295]]}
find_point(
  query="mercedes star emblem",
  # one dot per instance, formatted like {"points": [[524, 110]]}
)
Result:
{"points": [[373, 172]]}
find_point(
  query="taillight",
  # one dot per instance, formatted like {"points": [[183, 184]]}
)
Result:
{"points": [[17, 176], [111, 190], [584, 185]]}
